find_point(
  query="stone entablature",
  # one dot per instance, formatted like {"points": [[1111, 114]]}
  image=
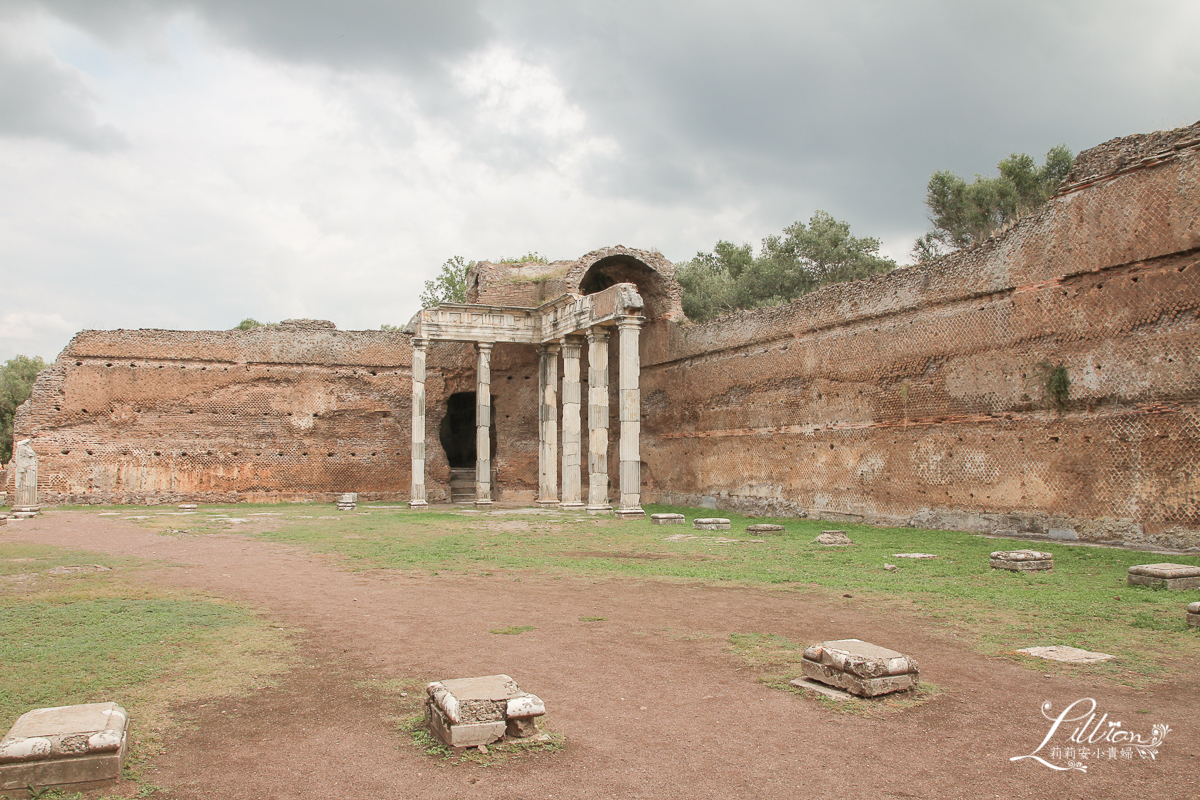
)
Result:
{"points": [[559, 325]]}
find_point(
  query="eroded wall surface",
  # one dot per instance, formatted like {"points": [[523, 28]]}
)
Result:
{"points": [[918, 397], [921, 397]]}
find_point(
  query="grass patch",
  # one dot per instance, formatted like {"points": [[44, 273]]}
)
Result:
{"points": [[1084, 602], [69, 637], [512, 630]]}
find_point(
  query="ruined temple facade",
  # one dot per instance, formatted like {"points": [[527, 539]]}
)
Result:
{"points": [[918, 397]]}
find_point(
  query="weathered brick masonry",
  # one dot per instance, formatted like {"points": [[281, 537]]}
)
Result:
{"points": [[915, 397], [918, 396]]}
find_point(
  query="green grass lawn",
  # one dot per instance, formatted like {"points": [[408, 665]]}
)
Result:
{"points": [[1084, 602], [97, 635]]}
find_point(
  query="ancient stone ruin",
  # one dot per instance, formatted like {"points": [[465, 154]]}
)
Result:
{"points": [[473, 712], [918, 397], [1022, 560], [859, 667], [1167, 576], [72, 748]]}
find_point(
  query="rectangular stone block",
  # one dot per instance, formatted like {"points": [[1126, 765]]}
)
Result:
{"points": [[1022, 560], [711, 524], [1170, 576], [74, 748], [463, 734], [860, 667], [667, 519]]}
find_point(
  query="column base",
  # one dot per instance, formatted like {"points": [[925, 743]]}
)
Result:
{"points": [[417, 505], [551, 503], [483, 503], [630, 513], [576, 506], [599, 509]]}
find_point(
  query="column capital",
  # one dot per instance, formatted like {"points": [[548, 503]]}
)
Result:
{"points": [[572, 345], [484, 346], [626, 321], [420, 342], [548, 347], [597, 333]]}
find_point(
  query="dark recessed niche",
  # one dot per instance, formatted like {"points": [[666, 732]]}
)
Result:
{"points": [[65, 452], [109, 364], [90, 452], [79, 363], [330, 455], [83, 411], [157, 453], [183, 455]]}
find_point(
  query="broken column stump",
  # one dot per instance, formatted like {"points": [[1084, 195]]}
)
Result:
{"points": [[1193, 614], [347, 501], [76, 748], [1022, 560], [667, 519], [468, 712], [764, 527], [859, 667], [1169, 576]]}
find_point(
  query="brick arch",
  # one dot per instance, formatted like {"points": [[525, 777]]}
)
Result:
{"points": [[651, 272]]}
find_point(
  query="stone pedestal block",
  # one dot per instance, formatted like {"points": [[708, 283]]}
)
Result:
{"points": [[764, 527], [711, 524], [1170, 576], [468, 712], [1022, 560], [667, 519], [74, 748], [1193, 614], [186, 506], [859, 667]]}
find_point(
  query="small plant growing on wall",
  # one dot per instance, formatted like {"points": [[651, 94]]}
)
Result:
{"points": [[1058, 383]]}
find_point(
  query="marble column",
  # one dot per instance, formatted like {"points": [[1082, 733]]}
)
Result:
{"points": [[416, 495], [572, 444], [483, 424], [597, 339], [630, 415], [548, 425]]}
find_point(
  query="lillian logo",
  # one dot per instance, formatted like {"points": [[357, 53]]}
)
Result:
{"points": [[1096, 739]]}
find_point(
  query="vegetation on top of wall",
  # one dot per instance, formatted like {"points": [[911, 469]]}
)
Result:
{"points": [[450, 285], [532, 257], [16, 383], [803, 258], [963, 214], [250, 323]]}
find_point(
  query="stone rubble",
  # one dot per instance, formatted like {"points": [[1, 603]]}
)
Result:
{"points": [[859, 667], [1022, 560], [471, 712], [833, 539]]}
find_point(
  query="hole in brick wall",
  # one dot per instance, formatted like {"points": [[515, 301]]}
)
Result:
{"points": [[83, 411], [58, 408], [354, 455], [79, 363], [65, 452], [1134, 279], [109, 364], [329, 455], [372, 372], [183, 455], [372, 455], [89, 452], [157, 453]]}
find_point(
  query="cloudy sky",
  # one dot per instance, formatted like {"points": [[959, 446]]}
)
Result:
{"points": [[189, 163]]}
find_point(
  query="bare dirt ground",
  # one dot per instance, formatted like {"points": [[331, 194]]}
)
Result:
{"points": [[651, 701]]}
